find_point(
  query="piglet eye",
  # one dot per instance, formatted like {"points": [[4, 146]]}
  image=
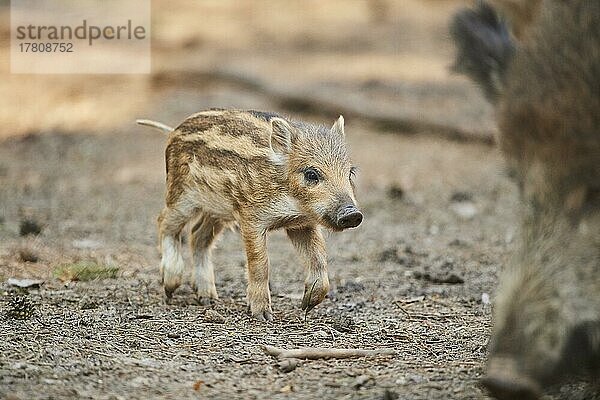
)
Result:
{"points": [[311, 175]]}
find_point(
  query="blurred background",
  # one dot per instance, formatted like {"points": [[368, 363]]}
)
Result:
{"points": [[383, 61]]}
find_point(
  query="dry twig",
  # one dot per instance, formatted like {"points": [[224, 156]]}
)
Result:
{"points": [[315, 353]]}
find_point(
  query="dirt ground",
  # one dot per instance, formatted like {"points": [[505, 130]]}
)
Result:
{"points": [[416, 277], [117, 336]]}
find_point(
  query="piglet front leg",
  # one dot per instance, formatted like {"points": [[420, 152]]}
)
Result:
{"points": [[310, 244], [259, 296]]}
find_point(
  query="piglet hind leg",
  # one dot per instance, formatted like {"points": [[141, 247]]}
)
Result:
{"points": [[170, 223], [259, 296], [204, 233], [310, 244]]}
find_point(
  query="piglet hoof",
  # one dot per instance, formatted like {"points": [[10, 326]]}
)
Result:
{"points": [[504, 381], [263, 316], [314, 294], [206, 295], [170, 285], [168, 294], [205, 301], [264, 313], [259, 303]]}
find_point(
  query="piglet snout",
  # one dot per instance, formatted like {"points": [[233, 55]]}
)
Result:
{"points": [[348, 217]]}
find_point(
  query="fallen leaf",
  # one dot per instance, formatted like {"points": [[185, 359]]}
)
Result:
{"points": [[198, 384], [287, 389]]}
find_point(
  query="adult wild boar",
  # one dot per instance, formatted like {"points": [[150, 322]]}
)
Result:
{"points": [[545, 84]]}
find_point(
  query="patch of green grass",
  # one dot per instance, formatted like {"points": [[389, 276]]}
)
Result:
{"points": [[85, 271]]}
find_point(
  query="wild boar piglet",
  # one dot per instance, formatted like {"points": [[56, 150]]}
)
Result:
{"points": [[262, 172]]}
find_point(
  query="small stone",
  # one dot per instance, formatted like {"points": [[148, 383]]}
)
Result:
{"points": [[401, 381], [344, 324], [414, 378], [415, 299], [213, 317], [465, 210], [286, 389], [362, 381], [288, 365], [485, 299], [25, 283]]}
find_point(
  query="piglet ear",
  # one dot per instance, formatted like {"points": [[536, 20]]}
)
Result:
{"points": [[338, 127], [281, 135]]}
